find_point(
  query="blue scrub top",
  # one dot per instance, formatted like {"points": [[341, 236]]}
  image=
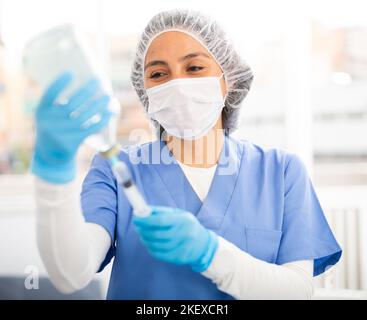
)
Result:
{"points": [[261, 200]]}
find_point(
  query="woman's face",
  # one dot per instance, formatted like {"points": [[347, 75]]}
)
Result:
{"points": [[174, 55]]}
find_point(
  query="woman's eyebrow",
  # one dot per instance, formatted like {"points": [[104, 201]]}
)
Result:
{"points": [[194, 55], [155, 63], [164, 63]]}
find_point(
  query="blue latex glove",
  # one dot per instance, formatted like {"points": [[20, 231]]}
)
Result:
{"points": [[176, 236], [61, 129]]}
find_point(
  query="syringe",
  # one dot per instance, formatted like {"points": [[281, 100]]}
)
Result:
{"points": [[123, 177]]}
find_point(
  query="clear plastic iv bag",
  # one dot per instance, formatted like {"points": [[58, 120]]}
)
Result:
{"points": [[65, 48]]}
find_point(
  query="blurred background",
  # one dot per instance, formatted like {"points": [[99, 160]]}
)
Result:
{"points": [[309, 96]]}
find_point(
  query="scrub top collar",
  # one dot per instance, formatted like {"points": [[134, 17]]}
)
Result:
{"points": [[213, 209]]}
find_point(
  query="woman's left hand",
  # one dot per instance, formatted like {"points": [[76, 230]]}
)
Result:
{"points": [[176, 236]]}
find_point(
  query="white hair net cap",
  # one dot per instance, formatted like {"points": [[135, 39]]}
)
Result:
{"points": [[237, 73]]}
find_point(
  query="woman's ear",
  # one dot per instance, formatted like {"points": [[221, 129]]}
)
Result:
{"points": [[223, 85]]}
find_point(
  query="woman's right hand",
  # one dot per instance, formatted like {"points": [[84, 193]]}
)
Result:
{"points": [[61, 128]]}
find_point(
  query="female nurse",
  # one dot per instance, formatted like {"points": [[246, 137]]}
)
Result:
{"points": [[229, 220]]}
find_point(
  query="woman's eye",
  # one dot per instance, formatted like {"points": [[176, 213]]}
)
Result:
{"points": [[195, 68], [156, 75]]}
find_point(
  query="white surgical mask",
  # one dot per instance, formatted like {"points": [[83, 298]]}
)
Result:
{"points": [[187, 108]]}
